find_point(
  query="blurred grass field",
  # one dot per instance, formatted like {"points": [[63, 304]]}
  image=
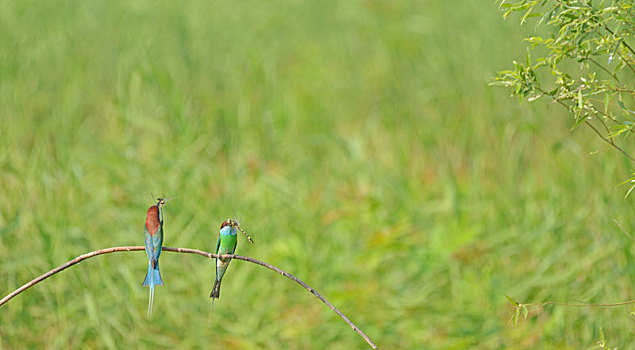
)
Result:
{"points": [[358, 141]]}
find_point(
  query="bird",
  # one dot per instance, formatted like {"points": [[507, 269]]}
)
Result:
{"points": [[153, 235], [226, 244]]}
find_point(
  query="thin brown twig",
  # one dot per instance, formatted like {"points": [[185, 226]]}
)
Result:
{"points": [[189, 251], [605, 69], [623, 41], [609, 141]]}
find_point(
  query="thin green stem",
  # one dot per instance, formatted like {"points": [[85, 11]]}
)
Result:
{"points": [[605, 69]]}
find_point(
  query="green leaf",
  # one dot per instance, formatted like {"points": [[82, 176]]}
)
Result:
{"points": [[579, 119], [619, 66], [621, 129], [601, 344], [506, 13], [620, 102], [629, 190], [505, 5], [524, 17], [617, 46], [631, 180]]}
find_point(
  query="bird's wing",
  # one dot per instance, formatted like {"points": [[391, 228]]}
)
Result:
{"points": [[234, 248], [157, 242], [149, 243]]}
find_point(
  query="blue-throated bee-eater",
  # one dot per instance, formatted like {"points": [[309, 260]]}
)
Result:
{"points": [[226, 244]]}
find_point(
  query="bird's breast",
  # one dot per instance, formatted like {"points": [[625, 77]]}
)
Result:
{"points": [[152, 220]]}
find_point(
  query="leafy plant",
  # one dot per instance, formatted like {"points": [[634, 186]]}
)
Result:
{"points": [[582, 57]]}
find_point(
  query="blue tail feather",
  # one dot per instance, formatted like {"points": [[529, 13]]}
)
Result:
{"points": [[153, 276]]}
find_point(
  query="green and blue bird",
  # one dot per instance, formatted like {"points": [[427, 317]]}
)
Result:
{"points": [[226, 244], [153, 235]]}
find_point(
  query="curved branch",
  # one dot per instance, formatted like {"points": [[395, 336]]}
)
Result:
{"points": [[189, 251]]}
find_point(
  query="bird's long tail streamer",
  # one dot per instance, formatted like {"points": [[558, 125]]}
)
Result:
{"points": [[150, 301], [211, 309]]}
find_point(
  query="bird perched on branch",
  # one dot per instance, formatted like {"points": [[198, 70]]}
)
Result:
{"points": [[226, 244], [153, 235]]}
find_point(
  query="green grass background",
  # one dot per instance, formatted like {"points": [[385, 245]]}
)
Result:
{"points": [[360, 144]]}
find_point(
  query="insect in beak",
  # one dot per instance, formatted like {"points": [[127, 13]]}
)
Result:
{"points": [[235, 223], [160, 204], [161, 201]]}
